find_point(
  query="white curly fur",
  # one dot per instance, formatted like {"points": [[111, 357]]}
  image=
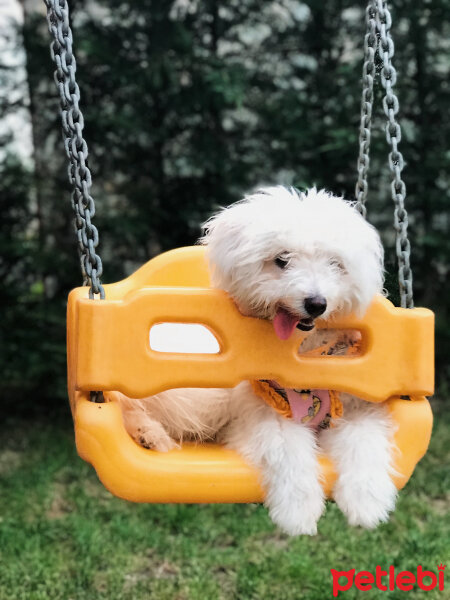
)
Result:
{"points": [[334, 253]]}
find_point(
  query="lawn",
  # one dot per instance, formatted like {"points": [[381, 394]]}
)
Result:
{"points": [[63, 536]]}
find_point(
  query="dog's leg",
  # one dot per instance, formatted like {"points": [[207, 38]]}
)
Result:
{"points": [[145, 430], [361, 447], [285, 453]]}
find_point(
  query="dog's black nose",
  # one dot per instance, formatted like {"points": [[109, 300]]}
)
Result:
{"points": [[315, 305]]}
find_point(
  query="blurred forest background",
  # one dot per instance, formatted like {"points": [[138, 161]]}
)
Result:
{"points": [[188, 104]]}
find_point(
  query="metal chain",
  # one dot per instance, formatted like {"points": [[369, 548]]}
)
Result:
{"points": [[396, 163], [74, 143], [378, 26], [370, 44], [378, 39]]}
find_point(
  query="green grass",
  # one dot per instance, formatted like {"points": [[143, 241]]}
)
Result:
{"points": [[62, 536]]}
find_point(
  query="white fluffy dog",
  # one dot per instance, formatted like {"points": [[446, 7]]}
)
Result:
{"points": [[289, 257]]}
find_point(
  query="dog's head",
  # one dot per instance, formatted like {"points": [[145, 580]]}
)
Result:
{"points": [[292, 257]]}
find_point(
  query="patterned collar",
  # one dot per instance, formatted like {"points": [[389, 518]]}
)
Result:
{"points": [[314, 408]]}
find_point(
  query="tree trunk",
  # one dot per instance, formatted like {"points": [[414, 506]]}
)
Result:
{"points": [[31, 14]]}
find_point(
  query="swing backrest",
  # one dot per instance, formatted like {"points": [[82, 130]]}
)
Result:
{"points": [[396, 359]]}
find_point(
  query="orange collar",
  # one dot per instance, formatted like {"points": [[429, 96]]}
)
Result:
{"points": [[315, 408]]}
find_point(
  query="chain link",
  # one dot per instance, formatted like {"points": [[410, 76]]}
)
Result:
{"points": [[370, 44], [378, 39], [396, 163], [74, 144]]}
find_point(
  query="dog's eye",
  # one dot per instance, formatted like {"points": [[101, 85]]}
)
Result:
{"points": [[281, 262], [338, 264]]}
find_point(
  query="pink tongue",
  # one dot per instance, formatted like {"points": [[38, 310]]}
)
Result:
{"points": [[284, 324]]}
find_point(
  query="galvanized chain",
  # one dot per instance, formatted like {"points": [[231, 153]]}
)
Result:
{"points": [[379, 23], [396, 163], [370, 45], [74, 143]]}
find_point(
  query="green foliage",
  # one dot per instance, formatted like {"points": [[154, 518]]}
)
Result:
{"points": [[187, 106]]}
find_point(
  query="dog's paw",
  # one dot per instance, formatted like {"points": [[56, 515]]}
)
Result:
{"points": [[155, 440], [366, 503], [298, 517], [294, 522]]}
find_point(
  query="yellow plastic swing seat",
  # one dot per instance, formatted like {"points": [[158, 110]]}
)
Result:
{"points": [[109, 350]]}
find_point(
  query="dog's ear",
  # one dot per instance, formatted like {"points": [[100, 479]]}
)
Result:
{"points": [[368, 264], [224, 236]]}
